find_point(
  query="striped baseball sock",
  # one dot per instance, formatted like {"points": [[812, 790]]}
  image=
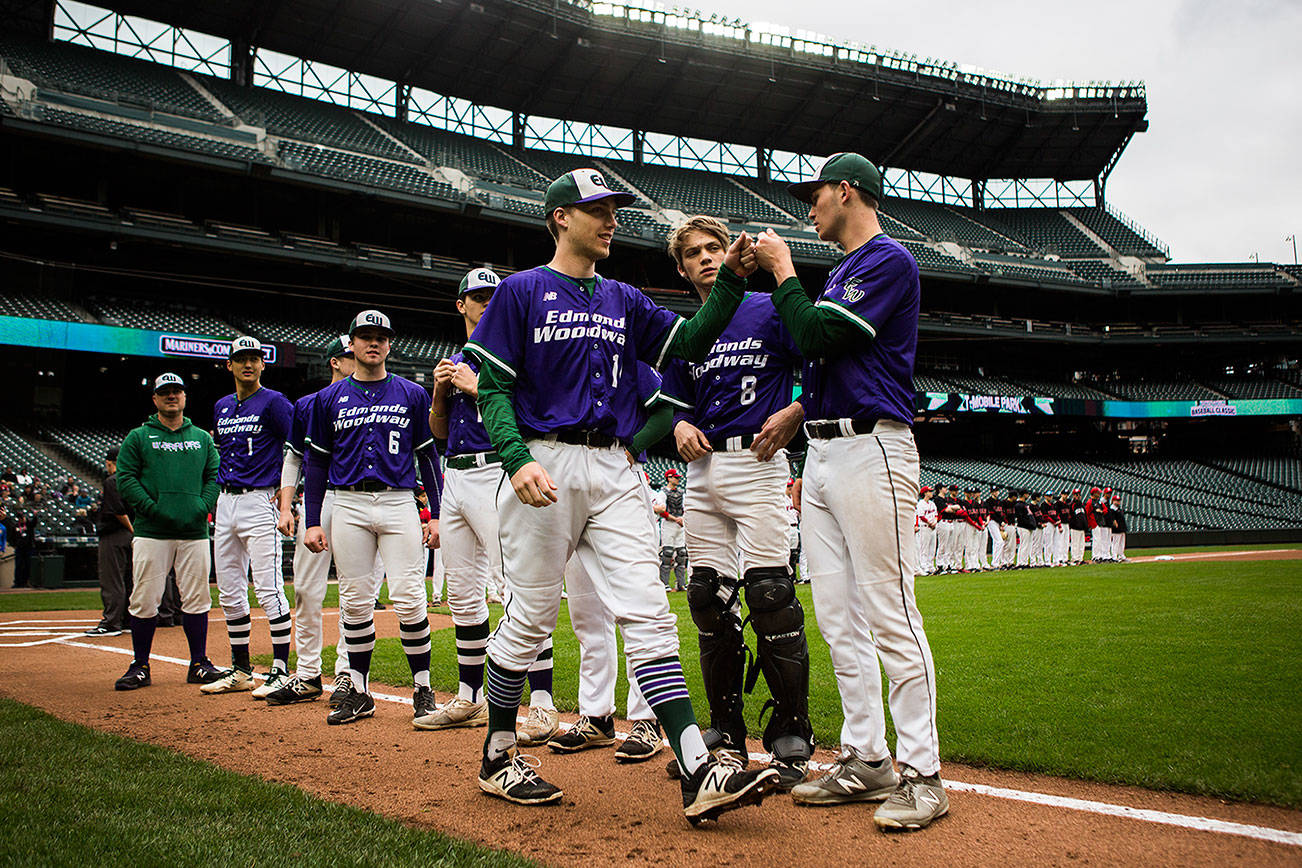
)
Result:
{"points": [[280, 628], [502, 688], [360, 638], [470, 660], [661, 682], [415, 642], [238, 628], [540, 677]]}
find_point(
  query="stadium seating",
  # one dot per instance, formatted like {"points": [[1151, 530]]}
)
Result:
{"points": [[429, 349], [310, 333], [1253, 387], [1102, 272], [699, 192], [159, 316], [943, 223], [332, 163], [934, 261], [1045, 229], [1023, 268], [472, 156], [981, 385], [1282, 472], [32, 306], [1055, 389], [1203, 277], [102, 74], [1115, 232], [656, 467], [166, 138], [635, 221], [311, 120], [1160, 390], [527, 207], [56, 518], [87, 445]]}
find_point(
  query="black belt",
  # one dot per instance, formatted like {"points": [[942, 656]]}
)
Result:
{"points": [[575, 437], [830, 430], [243, 489], [474, 459], [371, 485], [732, 444]]}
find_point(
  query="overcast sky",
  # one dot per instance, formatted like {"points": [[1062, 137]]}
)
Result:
{"points": [[1218, 175]]}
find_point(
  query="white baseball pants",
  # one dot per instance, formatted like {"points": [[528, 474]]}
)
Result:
{"points": [[996, 543], [311, 575], [244, 537], [468, 539], [594, 628], [1118, 546], [1060, 543], [737, 507], [603, 515], [858, 502], [1076, 545], [1023, 547], [153, 559], [1100, 545], [364, 523], [926, 550]]}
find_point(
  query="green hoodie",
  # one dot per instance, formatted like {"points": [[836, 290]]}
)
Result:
{"points": [[169, 478]]}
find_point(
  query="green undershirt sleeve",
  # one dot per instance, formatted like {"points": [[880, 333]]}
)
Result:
{"points": [[495, 390], [819, 332], [656, 427], [695, 336]]}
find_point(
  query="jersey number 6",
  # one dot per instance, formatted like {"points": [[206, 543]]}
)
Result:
{"points": [[393, 442]]}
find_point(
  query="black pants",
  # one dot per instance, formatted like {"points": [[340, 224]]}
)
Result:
{"points": [[115, 577]]}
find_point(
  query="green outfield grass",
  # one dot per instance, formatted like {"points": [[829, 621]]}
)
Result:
{"points": [[116, 799], [1170, 676]]}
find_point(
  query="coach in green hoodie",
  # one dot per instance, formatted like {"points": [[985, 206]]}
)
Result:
{"points": [[167, 473]]}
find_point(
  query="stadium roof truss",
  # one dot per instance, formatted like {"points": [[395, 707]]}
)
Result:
{"points": [[677, 73]]}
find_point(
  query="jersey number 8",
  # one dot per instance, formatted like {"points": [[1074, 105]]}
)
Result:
{"points": [[748, 390]]}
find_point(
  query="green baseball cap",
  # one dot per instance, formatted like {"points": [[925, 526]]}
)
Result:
{"points": [[581, 186], [370, 319], [477, 279], [340, 346], [842, 167]]}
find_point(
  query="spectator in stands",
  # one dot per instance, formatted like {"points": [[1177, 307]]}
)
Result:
{"points": [[9, 476], [1117, 522], [114, 527]]}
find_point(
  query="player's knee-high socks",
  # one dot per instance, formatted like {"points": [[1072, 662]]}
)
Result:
{"points": [[415, 642], [142, 638], [196, 634], [238, 629], [540, 677], [661, 682], [470, 660], [360, 638], [280, 629], [502, 688]]}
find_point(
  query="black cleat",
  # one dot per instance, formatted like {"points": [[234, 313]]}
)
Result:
{"points": [[202, 672], [355, 706], [513, 777], [297, 690], [722, 785], [422, 702], [136, 676]]}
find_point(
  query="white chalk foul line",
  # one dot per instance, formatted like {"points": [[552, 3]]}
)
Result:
{"points": [[1185, 821]]}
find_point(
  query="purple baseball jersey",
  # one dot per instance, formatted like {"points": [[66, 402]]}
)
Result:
{"points": [[745, 378], [371, 430], [573, 353], [251, 438], [298, 429], [875, 287], [466, 432]]}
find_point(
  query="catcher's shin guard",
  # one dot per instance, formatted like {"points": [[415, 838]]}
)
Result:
{"points": [[783, 654], [712, 600]]}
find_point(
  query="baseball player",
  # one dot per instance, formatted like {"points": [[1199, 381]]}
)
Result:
{"points": [[167, 474], [1008, 530], [994, 511], [976, 530], [252, 425], [859, 487], [1104, 529], [367, 434], [468, 527], [1117, 518], [668, 505], [558, 350], [1061, 538], [1026, 525], [741, 394], [926, 521], [311, 569]]}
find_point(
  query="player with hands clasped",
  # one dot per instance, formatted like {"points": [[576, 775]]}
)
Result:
{"points": [[735, 416], [557, 389], [858, 493], [252, 425], [366, 434]]}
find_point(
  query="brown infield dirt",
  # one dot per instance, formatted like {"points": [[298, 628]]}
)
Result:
{"points": [[1253, 555], [611, 814]]}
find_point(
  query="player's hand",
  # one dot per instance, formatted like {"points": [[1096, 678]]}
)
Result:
{"points": [[774, 256], [795, 493], [465, 379], [533, 486], [736, 256], [777, 431], [430, 533], [286, 524], [443, 372], [676, 519], [691, 441], [632, 460], [315, 539]]}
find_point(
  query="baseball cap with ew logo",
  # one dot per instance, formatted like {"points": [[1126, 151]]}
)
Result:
{"points": [[580, 187], [370, 319]]}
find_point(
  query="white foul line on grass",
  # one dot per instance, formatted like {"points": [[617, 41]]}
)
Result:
{"points": [[1185, 821]]}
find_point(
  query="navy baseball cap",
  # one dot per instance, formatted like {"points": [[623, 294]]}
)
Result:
{"points": [[340, 346], [168, 379], [477, 279], [580, 187], [245, 344], [370, 319], [840, 167]]}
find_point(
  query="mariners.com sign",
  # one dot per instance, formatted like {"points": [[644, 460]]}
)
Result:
{"points": [[200, 348]]}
